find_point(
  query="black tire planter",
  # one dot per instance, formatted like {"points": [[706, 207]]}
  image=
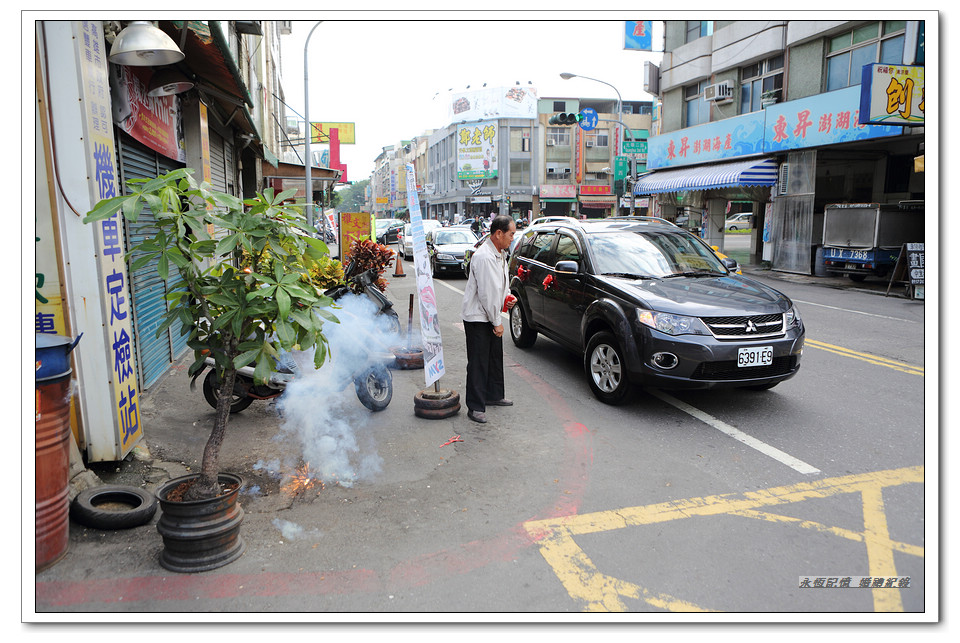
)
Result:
{"points": [[200, 535], [408, 359], [436, 405], [139, 506], [431, 400]]}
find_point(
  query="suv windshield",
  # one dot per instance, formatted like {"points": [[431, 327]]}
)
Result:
{"points": [[656, 253]]}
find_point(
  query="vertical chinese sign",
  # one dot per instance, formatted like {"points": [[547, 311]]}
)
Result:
{"points": [[111, 264], [433, 366]]}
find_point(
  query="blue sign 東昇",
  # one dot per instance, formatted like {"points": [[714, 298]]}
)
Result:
{"points": [[590, 119]]}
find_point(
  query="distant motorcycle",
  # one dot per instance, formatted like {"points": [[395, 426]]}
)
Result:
{"points": [[372, 379]]}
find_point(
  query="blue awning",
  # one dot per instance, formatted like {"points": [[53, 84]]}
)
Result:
{"points": [[709, 177]]}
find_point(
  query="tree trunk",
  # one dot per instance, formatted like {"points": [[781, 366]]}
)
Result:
{"points": [[207, 486]]}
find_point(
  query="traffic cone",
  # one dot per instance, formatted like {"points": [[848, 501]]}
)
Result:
{"points": [[398, 266]]}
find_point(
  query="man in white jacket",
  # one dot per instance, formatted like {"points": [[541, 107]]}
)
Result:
{"points": [[483, 300]]}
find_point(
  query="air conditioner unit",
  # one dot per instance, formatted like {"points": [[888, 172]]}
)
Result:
{"points": [[551, 170], [719, 93], [782, 178], [551, 142], [566, 170], [589, 143]]}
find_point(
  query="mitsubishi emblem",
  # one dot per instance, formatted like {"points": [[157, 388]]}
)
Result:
{"points": [[751, 327]]}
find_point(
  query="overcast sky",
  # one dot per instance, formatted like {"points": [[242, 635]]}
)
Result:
{"points": [[391, 75]]}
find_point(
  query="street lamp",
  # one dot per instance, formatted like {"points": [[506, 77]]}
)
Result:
{"points": [[308, 186], [567, 76]]}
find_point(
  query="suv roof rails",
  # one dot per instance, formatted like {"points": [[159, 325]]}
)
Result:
{"points": [[636, 218]]}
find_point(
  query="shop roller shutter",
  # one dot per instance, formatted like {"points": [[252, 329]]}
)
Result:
{"points": [[148, 290]]}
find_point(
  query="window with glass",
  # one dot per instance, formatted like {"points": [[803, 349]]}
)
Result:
{"points": [[520, 172], [559, 135], [875, 42], [519, 139], [697, 110], [597, 138], [698, 29], [762, 77]]}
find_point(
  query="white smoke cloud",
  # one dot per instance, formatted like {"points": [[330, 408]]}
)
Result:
{"points": [[322, 419]]}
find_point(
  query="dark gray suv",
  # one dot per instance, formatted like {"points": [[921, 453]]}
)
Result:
{"points": [[647, 303]]}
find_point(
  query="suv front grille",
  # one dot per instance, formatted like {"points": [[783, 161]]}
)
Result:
{"points": [[745, 326], [730, 370]]}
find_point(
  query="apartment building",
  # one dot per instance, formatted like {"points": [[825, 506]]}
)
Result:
{"points": [[770, 114]]}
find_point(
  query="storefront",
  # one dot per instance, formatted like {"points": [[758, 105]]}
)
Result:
{"points": [[788, 160]]}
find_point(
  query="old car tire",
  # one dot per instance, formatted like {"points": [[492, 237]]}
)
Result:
{"points": [[375, 387], [521, 333], [211, 390], [606, 370], [432, 401], [436, 414], [408, 359], [86, 507]]}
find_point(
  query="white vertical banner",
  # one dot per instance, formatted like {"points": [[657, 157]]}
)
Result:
{"points": [[433, 367]]}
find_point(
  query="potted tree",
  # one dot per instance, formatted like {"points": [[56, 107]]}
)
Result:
{"points": [[247, 295], [769, 97]]}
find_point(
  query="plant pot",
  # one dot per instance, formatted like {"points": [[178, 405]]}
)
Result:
{"points": [[199, 535]]}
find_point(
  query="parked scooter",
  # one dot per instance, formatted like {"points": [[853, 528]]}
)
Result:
{"points": [[372, 379]]}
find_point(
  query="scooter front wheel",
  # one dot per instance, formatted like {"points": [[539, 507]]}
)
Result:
{"points": [[211, 392], [375, 387]]}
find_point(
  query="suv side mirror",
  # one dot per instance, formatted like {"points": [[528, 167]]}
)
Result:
{"points": [[568, 267]]}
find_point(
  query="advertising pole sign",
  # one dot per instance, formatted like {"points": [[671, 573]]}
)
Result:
{"points": [[433, 367]]}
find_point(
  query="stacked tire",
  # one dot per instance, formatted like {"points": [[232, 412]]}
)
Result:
{"points": [[436, 405]]}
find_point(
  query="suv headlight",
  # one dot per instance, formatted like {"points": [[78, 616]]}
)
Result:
{"points": [[792, 318], [669, 323], [441, 256]]}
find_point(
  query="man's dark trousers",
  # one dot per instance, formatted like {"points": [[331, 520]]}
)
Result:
{"points": [[484, 365]]}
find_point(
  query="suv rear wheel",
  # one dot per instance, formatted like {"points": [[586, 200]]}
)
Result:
{"points": [[520, 331], [605, 368]]}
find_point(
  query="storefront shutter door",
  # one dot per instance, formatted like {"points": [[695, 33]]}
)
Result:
{"points": [[148, 290]]}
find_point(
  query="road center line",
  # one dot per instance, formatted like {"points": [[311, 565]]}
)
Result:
{"points": [[737, 434], [859, 312]]}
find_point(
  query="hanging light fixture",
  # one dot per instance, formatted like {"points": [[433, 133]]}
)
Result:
{"points": [[141, 44], [168, 81]]}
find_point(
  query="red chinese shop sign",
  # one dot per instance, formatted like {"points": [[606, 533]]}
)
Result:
{"points": [[152, 120]]}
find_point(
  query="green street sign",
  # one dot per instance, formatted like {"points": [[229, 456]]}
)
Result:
{"points": [[634, 147]]}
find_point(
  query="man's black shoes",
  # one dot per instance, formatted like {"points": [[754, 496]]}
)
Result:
{"points": [[503, 402]]}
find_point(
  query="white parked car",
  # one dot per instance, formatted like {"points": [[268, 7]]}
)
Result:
{"points": [[739, 221], [405, 239]]}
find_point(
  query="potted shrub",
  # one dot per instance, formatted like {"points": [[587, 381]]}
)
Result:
{"points": [[247, 295], [769, 97]]}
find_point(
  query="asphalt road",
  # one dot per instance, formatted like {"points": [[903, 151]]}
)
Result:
{"points": [[672, 503]]}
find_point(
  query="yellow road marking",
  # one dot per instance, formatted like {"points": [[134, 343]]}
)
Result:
{"points": [[866, 357], [599, 592]]}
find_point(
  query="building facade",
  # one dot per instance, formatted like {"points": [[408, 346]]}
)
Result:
{"points": [[100, 123], [526, 167], [768, 114]]}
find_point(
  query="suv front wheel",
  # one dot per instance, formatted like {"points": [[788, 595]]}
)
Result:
{"points": [[521, 333], [606, 370]]}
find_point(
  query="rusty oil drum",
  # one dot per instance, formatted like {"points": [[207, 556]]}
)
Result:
{"points": [[53, 466], [53, 386]]}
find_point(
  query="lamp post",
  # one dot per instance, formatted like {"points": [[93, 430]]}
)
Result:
{"points": [[633, 169], [308, 185]]}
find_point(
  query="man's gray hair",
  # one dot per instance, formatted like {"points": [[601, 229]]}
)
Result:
{"points": [[501, 222]]}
